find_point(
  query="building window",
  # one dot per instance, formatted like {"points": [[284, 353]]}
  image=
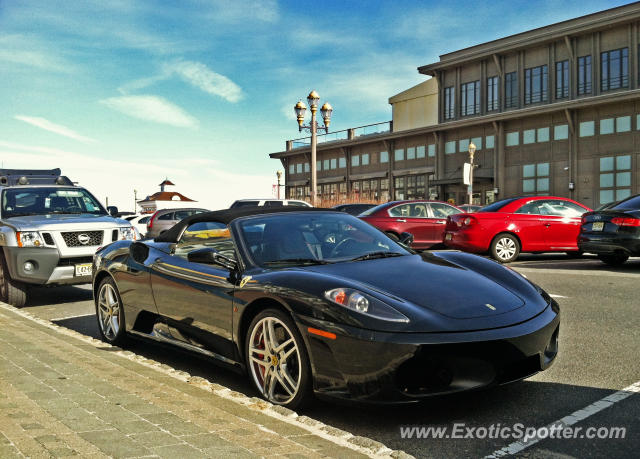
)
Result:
{"points": [[449, 103], [615, 69], [584, 75], [450, 147], [365, 159], [562, 79], [528, 136], [535, 85], [411, 153], [587, 128], [623, 124], [384, 156], [292, 169], [463, 145], [398, 155], [511, 90], [342, 162], [384, 189], [414, 187], [606, 126], [477, 141], [326, 165], [318, 165], [492, 93], [420, 152], [543, 134], [513, 139], [306, 167], [535, 178], [355, 160], [431, 150], [334, 163], [470, 98], [615, 178], [561, 132], [489, 141], [299, 168], [398, 185]]}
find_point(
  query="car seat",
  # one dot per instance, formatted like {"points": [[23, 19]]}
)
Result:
{"points": [[281, 242]]}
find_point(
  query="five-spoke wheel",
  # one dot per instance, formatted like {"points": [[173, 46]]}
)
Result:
{"points": [[505, 248], [277, 359], [110, 312]]}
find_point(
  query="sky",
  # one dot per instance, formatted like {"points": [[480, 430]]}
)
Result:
{"points": [[121, 94]]}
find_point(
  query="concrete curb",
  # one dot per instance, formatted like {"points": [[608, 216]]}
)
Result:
{"points": [[363, 445]]}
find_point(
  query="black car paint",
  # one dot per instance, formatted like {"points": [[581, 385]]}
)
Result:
{"points": [[613, 239], [366, 360]]}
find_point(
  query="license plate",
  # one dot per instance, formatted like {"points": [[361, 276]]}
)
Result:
{"points": [[83, 269], [448, 236], [597, 226]]}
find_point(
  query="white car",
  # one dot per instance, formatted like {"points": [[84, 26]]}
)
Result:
{"points": [[139, 222]]}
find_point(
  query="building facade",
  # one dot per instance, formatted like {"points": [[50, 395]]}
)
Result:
{"points": [[554, 110]]}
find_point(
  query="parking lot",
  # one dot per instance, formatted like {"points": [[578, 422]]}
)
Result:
{"points": [[600, 342]]}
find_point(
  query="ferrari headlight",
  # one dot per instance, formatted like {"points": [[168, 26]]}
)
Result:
{"points": [[29, 239], [367, 305], [127, 234]]}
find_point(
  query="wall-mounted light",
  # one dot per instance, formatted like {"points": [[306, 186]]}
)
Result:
{"points": [[496, 190], [572, 185]]}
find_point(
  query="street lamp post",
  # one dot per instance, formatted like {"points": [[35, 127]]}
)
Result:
{"points": [[313, 98], [135, 200], [279, 175], [472, 150]]}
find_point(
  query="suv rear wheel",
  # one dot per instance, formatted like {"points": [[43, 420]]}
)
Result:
{"points": [[12, 292]]}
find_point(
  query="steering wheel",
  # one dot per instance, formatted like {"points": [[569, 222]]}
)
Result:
{"points": [[335, 250]]}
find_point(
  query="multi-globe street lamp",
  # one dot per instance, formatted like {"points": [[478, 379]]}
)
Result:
{"points": [[313, 98]]}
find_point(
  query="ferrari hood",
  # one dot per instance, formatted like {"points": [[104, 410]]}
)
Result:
{"points": [[433, 283]]}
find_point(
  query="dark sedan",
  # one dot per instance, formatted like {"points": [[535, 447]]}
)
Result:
{"points": [[353, 209], [612, 233], [317, 301]]}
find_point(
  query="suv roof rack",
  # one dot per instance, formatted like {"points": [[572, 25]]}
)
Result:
{"points": [[10, 177]]}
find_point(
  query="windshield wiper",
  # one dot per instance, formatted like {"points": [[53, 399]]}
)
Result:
{"points": [[311, 261], [381, 254]]}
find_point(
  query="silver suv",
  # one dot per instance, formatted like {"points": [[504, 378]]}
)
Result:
{"points": [[164, 219], [49, 231]]}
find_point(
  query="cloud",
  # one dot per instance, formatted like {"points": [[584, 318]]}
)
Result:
{"points": [[30, 52], [240, 11], [200, 76], [151, 108], [47, 125]]}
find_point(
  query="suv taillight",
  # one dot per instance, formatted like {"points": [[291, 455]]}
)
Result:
{"points": [[622, 221]]}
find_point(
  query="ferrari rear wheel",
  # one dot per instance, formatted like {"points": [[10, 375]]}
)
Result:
{"points": [[277, 360], [505, 248], [110, 313], [613, 260]]}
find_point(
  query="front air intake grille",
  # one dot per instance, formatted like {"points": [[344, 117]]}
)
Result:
{"points": [[83, 238], [48, 239]]}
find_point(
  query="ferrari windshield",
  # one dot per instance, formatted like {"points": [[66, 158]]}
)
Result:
{"points": [[309, 238], [23, 201]]}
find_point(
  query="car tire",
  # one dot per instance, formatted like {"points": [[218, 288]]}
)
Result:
{"points": [[505, 248], [613, 259], [11, 292], [283, 377], [575, 254], [110, 313]]}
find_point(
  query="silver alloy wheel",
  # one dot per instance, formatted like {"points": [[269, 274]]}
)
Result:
{"points": [[275, 360], [3, 283], [506, 248], [109, 312]]}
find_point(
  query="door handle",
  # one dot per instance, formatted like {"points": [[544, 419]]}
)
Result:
{"points": [[547, 225], [401, 220], [441, 222]]}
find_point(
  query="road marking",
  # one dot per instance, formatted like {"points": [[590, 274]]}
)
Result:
{"points": [[57, 319], [573, 418], [553, 295], [577, 272]]}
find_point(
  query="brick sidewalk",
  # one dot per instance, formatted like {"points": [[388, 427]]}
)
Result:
{"points": [[65, 395]]}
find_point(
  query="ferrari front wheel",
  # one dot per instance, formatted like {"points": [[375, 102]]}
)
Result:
{"points": [[110, 313], [277, 360]]}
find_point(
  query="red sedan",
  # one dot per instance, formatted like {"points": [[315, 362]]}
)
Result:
{"points": [[426, 220], [526, 224]]}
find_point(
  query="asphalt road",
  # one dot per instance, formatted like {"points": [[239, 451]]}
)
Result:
{"points": [[599, 349]]}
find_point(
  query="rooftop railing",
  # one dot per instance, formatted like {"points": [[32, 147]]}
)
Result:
{"points": [[346, 134]]}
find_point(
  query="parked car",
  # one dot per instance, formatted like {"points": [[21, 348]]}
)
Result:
{"points": [[140, 222], [514, 225], [469, 208], [612, 233], [49, 231], [353, 209], [269, 203], [312, 300], [164, 219], [424, 219]]}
